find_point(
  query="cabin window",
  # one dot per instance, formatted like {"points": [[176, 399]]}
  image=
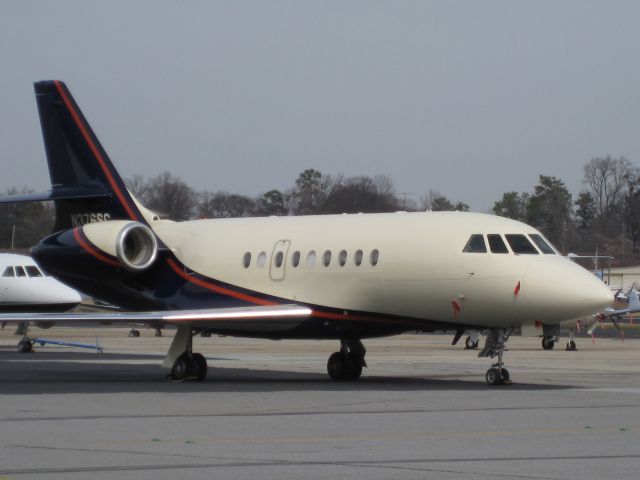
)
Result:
{"points": [[475, 244], [8, 272], [357, 257], [262, 259], [311, 258], [246, 260], [496, 244], [277, 261], [374, 256], [326, 258], [521, 245], [295, 258], [33, 271], [342, 257], [542, 244], [20, 272]]}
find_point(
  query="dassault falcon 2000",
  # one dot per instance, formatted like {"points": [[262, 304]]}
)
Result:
{"points": [[343, 277]]}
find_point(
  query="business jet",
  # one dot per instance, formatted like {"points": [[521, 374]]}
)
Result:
{"points": [[24, 287], [342, 277]]}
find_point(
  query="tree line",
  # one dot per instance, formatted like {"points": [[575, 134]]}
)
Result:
{"points": [[605, 215]]}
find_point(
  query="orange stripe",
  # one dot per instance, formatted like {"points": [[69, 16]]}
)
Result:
{"points": [[259, 301], [95, 151], [92, 251], [216, 288]]}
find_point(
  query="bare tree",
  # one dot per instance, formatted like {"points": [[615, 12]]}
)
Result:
{"points": [[23, 225], [434, 200], [360, 194], [171, 196], [606, 178], [222, 204]]}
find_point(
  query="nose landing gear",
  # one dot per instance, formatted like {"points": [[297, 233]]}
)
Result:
{"points": [[494, 346]]}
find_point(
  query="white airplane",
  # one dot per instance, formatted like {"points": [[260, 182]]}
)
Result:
{"points": [[342, 277], [24, 287], [615, 315]]}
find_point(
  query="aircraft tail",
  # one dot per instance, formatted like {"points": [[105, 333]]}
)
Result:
{"points": [[85, 186], [634, 299]]}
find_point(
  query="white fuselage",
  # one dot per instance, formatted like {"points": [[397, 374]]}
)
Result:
{"points": [[421, 270], [23, 286]]}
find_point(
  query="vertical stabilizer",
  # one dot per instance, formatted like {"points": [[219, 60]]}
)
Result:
{"points": [[85, 185]]}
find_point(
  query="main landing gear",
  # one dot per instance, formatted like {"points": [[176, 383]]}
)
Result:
{"points": [[25, 345], [571, 344], [184, 364], [471, 342], [494, 346], [548, 343], [348, 362]]}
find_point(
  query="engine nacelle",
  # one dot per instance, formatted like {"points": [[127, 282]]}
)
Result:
{"points": [[133, 243]]}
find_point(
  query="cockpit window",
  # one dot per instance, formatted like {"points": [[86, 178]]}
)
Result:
{"points": [[496, 244], [475, 244], [8, 272], [33, 271], [542, 244], [20, 272], [521, 245]]}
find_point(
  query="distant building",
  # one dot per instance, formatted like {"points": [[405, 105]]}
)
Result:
{"points": [[622, 277]]}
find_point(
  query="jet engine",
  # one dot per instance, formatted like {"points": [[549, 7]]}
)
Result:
{"points": [[132, 243]]}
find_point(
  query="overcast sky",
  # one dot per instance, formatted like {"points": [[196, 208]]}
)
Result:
{"points": [[471, 98]]}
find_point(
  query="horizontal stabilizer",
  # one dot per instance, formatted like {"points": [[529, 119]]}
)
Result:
{"points": [[55, 194]]}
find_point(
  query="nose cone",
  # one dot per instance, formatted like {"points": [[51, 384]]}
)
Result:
{"points": [[59, 294], [559, 289]]}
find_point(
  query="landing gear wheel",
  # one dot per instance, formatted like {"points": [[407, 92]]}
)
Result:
{"points": [[493, 376], [354, 369], [198, 367], [336, 366], [571, 346], [25, 346], [470, 344], [158, 333], [180, 368], [504, 373], [134, 333], [548, 343]]}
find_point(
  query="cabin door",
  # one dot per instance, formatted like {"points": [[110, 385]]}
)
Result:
{"points": [[278, 263]]}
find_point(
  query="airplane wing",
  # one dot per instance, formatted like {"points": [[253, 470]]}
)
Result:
{"points": [[258, 319]]}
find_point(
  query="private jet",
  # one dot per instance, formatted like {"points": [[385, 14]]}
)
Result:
{"points": [[24, 287], [341, 277]]}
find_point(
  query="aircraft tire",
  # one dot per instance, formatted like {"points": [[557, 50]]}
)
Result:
{"points": [[180, 368], [493, 376], [198, 367], [335, 366], [470, 344], [354, 367], [24, 346], [571, 346], [548, 343]]}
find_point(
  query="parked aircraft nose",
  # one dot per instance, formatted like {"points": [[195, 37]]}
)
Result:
{"points": [[62, 294], [559, 289]]}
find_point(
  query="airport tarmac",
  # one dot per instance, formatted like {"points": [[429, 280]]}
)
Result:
{"points": [[267, 410]]}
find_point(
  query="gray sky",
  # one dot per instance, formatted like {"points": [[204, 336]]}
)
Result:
{"points": [[471, 98]]}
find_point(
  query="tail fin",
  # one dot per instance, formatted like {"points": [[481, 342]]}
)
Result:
{"points": [[85, 185], [634, 299]]}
